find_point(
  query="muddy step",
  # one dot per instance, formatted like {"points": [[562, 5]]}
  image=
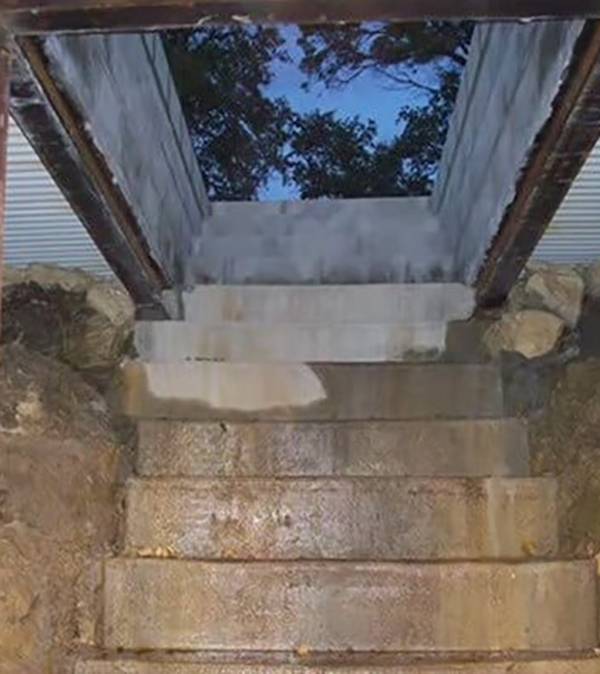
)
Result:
{"points": [[343, 518], [295, 391], [336, 606], [327, 304], [556, 665], [472, 448], [310, 343]]}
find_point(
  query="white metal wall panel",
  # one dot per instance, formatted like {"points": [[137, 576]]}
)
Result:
{"points": [[40, 225], [574, 234]]}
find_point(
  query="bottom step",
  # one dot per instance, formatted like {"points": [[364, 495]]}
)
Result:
{"points": [[558, 666]]}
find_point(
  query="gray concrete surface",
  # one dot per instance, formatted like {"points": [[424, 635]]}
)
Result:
{"points": [[554, 665], [284, 391], [508, 88], [122, 88], [324, 606], [330, 304], [344, 518], [465, 448], [292, 343], [322, 241]]}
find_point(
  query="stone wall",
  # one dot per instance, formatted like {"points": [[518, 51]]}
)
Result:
{"points": [[124, 93], [511, 80]]}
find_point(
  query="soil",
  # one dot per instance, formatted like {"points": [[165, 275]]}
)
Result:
{"points": [[62, 459], [565, 442]]}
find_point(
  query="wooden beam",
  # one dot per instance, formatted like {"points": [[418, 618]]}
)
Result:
{"points": [[41, 16], [4, 95], [559, 154], [53, 128]]}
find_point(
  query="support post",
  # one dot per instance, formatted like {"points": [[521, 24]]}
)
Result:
{"points": [[4, 107]]}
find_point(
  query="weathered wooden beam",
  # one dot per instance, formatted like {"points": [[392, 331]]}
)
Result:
{"points": [[39, 16], [558, 155], [4, 95], [55, 131]]}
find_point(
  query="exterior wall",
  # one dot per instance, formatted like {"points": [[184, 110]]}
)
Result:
{"points": [[573, 236], [41, 226], [322, 241], [509, 85], [122, 87]]}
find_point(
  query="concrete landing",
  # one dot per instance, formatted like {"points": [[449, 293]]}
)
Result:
{"points": [[295, 343], [330, 304], [288, 391], [347, 518], [326, 606], [460, 448], [540, 666]]}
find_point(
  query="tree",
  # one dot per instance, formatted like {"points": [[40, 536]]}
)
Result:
{"points": [[342, 158], [242, 137], [413, 55], [426, 59], [238, 132]]}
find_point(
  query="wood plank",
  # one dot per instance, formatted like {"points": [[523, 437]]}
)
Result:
{"points": [[52, 127], [561, 150], [36, 16]]}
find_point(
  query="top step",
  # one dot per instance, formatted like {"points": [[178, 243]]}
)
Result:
{"points": [[409, 303]]}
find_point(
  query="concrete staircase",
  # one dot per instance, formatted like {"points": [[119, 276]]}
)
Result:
{"points": [[292, 515]]}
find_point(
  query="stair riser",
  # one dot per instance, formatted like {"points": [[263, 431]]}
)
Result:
{"points": [[433, 448], [373, 304], [287, 392], [172, 341], [164, 604], [376, 519]]}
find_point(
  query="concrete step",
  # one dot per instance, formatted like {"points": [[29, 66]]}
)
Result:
{"points": [[547, 665], [330, 304], [458, 448], [290, 342], [348, 518], [160, 604], [295, 391]]}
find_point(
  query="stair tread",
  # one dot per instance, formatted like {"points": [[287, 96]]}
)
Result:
{"points": [[386, 448], [289, 342], [377, 518], [352, 303], [294, 391], [323, 606]]}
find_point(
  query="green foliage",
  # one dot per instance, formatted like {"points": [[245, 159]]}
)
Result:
{"points": [[239, 134], [242, 137]]}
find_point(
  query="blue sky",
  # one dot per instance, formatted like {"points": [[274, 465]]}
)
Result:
{"points": [[367, 96]]}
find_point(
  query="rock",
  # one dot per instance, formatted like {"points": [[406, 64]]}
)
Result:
{"points": [[88, 321], [531, 333], [559, 290], [592, 279]]}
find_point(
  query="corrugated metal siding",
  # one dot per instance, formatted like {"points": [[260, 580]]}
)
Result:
{"points": [[574, 234], [40, 225]]}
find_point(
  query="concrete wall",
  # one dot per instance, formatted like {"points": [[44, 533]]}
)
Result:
{"points": [[511, 80], [123, 89], [322, 241]]}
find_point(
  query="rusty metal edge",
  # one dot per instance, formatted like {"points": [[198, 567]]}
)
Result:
{"points": [[58, 136], [41, 16], [560, 151]]}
